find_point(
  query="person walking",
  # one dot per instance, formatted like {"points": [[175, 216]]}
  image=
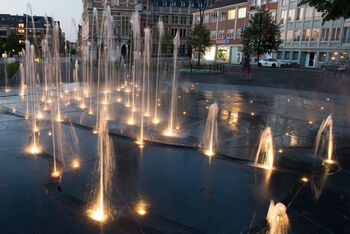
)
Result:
{"points": [[249, 69], [245, 66]]}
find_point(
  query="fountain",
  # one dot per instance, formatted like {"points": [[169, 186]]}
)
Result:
{"points": [[173, 101], [210, 138], [324, 140], [265, 154], [161, 33], [277, 218], [146, 70], [101, 209]]}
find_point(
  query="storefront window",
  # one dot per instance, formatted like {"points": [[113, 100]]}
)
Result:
{"points": [[322, 57], [223, 54], [333, 56], [343, 56], [210, 54]]}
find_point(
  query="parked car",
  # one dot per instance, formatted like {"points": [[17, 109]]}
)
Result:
{"points": [[332, 66], [271, 63]]}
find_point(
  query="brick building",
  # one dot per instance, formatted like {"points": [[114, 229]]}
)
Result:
{"points": [[22, 26], [225, 19]]}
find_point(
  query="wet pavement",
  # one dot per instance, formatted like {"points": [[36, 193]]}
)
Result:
{"points": [[184, 190]]}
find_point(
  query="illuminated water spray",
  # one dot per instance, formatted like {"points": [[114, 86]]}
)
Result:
{"points": [[324, 140], [265, 154], [210, 138], [277, 218], [173, 101]]}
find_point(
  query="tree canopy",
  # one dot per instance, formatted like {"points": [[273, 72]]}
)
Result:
{"points": [[194, 40], [12, 44], [331, 9], [262, 35]]}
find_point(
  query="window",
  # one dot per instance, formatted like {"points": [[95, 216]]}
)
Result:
{"points": [[300, 14], [241, 12], [183, 20], [197, 20], [291, 14], [306, 34], [173, 32], [222, 16], [182, 33], [322, 57], [230, 33], [273, 14], [279, 55], [231, 14], [325, 33], [206, 19], [287, 55], [295, 55], [223, 54], [165, 19], [213, 17], [155, 19], [318, 14], [174, 19], [283, 17], [335, 34], [297, 35], [284, 2], [315, 33], [289, 35], [221, 34], [21, 25], [213, 35], [346, 35], [308, 12]]}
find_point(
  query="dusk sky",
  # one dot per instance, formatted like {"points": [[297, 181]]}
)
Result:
{"points": [[62, 10]]}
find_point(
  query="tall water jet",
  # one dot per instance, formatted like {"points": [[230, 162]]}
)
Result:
{"points": [[146, 64], [324, 140], [173, 102], [277, 218], [7, 88], [210, 138], [161, 33], [266, 150], [135, 22], [101, 209]]}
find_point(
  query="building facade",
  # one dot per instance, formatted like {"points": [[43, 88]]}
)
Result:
{"points": [[22, 25], [176, 16], [307, 40], [225, 19]]}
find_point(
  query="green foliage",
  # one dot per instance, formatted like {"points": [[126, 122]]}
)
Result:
{"points": [[331, 9], [12, 68], [12, 45], [194, 40], [262, 34]]}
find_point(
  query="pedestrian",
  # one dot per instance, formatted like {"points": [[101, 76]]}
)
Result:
{"points": [[245, 66]]}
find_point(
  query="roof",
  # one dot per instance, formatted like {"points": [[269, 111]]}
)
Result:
{"points": [[13, 20], [224, 3]]}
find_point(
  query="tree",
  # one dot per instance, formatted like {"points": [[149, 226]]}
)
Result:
{"points": [[331, 9], [262, 34], [12, 44], [198, 43]]}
